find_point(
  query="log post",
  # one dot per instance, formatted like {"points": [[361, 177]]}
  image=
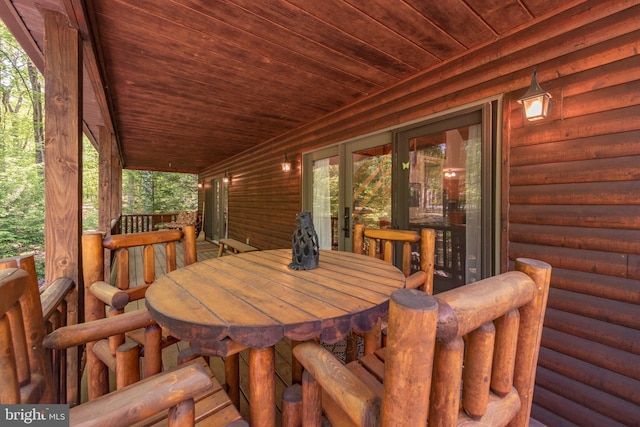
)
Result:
{"points": [[292, 406], [93, 271], [190, 248], [413, 316], [63, 168], [262, 386], [127, 364], [529, 335], [232, 377], [312, 401], [477, 370]]}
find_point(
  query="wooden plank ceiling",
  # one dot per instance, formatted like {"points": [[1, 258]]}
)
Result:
{"points": [[191, 82]]}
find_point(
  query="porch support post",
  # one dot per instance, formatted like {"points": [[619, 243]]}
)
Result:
{"points": [[63, 168], [116, 180]]}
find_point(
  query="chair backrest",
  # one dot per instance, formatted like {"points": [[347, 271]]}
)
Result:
{"points": [[24, 370], [46, 311], [101, 296], [382, 243], [93, 257], [487, 340], [465, 356]]}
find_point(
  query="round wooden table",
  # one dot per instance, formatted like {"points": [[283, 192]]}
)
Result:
{"points": [[254, 299]]}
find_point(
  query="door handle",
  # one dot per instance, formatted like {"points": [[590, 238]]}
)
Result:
{"points": [[347, 223]]}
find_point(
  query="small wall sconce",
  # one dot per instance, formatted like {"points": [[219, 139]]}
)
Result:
{"points": [[450, 174], [536, 101], [226, 178], [200, 185], [286, 164]]}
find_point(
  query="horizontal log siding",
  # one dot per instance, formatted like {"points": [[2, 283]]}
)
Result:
{"points": [[573, 200], [570, 187]]}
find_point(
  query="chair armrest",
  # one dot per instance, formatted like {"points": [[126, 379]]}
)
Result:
{"points": [[349, 392], [110, 295], [54, 294], [82, 333], [143, 399], [417, 279]]}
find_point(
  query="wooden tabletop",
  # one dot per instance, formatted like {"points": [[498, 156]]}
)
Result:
{"points": [[255, 300]]}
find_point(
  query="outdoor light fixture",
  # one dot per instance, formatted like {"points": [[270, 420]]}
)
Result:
{"points": [[536, 101], [286, 164], [450, 174], [225, 178]]}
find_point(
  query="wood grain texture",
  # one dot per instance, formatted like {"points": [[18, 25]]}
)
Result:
{"points": [[255, 299]]}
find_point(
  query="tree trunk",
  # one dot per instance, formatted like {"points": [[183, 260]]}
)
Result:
{"points": [[38, 127]]}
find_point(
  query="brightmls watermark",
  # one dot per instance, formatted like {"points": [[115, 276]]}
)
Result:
{"points": [[34, 415]]}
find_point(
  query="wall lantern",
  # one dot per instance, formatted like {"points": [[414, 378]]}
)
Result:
{"points": [[286, 164], [536, 101], [200, 185], [450, 174], [225, 178]]}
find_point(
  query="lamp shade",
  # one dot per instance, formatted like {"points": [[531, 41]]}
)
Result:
{"points": [[286, 164], [536, 101]]}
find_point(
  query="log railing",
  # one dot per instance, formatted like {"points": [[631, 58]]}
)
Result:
{"points": [[138, 223], [55, 311]]}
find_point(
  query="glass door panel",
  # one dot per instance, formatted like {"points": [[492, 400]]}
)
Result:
{"points": [[445, 194], [371, 183], [325, 201], [216, 201]]}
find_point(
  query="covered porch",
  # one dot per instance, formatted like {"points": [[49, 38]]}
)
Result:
{"points": [[227, 90]]}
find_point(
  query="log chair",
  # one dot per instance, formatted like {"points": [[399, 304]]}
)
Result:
{"points": [[382, 243], [465, 355], [26, 374], [102, 297]]}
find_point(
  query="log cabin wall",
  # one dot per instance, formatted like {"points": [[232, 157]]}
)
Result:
{"points": [[574, 201], [570, 190]]}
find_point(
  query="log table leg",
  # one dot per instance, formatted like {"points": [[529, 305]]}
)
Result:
{"points": [[262, 387]]}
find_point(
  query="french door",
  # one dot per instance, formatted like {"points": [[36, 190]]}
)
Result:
{"points": [[347, 183], [446, 174], [437, 174]]}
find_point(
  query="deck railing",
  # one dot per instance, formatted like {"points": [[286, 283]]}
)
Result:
{"points": [[138, 223], [55, 311]]}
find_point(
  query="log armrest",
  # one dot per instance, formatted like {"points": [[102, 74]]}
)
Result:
{"points": [[110, 295], [416, 280], [82, 333], [54, 294], [145, 398], [357, 400]]}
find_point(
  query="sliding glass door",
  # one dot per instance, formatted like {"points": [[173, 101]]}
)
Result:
{"points": [[438, 174], [445, 183]]}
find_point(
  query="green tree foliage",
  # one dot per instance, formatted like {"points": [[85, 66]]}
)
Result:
{"points": [[158, 192], [21, 183], [22, 169], [90, 183]]}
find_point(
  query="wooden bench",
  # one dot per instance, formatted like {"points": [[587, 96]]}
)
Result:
{"points": [[236, 246]]}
